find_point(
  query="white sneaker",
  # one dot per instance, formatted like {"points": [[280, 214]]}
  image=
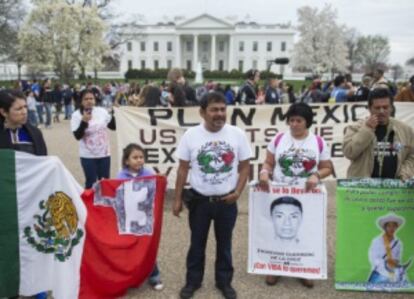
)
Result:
{"points": [[158, 286]]}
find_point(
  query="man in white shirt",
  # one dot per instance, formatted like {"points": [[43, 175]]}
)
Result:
{"points": [[218, 155]]}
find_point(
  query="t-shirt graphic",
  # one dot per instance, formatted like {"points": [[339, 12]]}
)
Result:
{"points": [[297, 162], [215, 160], [96, 139]]}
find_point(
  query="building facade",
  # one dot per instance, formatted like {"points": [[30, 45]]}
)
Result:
{"points": [[214, 43]]}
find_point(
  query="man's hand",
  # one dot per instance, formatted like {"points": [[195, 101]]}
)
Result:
{"points": [[264, 181], [311, 182], [372, 122], [177, 207], [231, 198], [391, 263]]}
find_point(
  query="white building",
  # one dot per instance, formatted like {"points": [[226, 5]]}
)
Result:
{"points": [[215, 43]]}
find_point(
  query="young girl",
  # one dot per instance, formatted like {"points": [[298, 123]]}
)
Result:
{"points": [[133, 159]]}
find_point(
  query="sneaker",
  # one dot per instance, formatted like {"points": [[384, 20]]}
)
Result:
{"points": [[188, 291], [227, 291], [158, 286], [271, 280]]}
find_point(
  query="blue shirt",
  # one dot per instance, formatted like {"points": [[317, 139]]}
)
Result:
{"points": [[340, 94], [126, 174]]}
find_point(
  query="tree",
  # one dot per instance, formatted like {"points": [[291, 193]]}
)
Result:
{"points": [[372, 52], [351, 42], [397, 71], [66, 38], [410, 62], [11, 14], [321, 47]]}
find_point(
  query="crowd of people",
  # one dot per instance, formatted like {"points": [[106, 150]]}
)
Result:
{"points": [[369, 145], [47, 101]]}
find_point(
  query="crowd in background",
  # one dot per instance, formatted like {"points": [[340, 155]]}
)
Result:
{"points": [[48, 101]]}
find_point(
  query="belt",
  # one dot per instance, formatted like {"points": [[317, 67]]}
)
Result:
{"points": [[209, 198]]}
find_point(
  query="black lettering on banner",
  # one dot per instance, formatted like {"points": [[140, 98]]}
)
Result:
{"points": [[151, 155], [142, 134], [256, 151], [346, 116], [168, 136], [252, 134], [314, 112], [270, 134], [277, 112], [167, 173], [254, 171], [168, 155], [181, 120], [354, 113], [330, 114], [159, 113], [336, 150], [325, 132], [246, 119]]}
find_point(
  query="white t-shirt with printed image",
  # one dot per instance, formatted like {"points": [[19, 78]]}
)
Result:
{"points": [[95, 142], [214, 157], [296, 160]]}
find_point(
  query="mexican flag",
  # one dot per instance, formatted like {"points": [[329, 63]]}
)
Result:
{"points": [[48, 244], [42, 232]]}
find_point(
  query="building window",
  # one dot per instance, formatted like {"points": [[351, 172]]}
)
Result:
{"points": [[240, 65], [221, 65], [129, 46], [254, 64], [155, 46], [156, 65], [283, 46], [129, 64], [169, 64], [269, 46], [189, 65], [241, 46], [221, 46], [205, 46], [142, 64], [169, 46], [142, 45], [189, 45], [255, 46]]}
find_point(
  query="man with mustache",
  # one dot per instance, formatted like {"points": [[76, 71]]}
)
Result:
{"points": [[380, 146], [216, 156]]}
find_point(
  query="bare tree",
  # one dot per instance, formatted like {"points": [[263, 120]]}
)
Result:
{"points": [[351, 41], [372, 51]]}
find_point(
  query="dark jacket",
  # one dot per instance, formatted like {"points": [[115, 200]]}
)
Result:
{"points": [[36, 135]]}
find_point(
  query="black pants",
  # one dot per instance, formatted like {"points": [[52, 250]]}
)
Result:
{"points": [[202, 212]]}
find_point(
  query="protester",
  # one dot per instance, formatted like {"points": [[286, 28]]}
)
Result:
{"points": [[67, 95], [296, 157], [31, 108], [133, 159], [181, 94], [218, 155], [272, 94], [361, 95], [229, 94], [89, 125], [380, 146], [342, 90], [379, 80], [17, 134], [407, 93], [247, 94]]}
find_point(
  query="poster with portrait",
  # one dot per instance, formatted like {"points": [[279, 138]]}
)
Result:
{"points": [[287, 231], [376, 219]]}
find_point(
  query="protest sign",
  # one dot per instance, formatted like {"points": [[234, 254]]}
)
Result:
{"points": [[375, 229], [287, 232]]}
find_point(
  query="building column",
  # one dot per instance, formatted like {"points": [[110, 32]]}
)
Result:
{"points": [[178, 51], [230, 57], [213, 52], [195, 52]]}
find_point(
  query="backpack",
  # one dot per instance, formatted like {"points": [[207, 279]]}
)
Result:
{"points": [[318, 140]]}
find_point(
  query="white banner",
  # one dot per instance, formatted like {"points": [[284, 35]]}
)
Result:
{"points": [[287, 232], [159, 130]]}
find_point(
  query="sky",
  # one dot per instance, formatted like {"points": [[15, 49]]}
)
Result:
{"points": [[393, 19]]}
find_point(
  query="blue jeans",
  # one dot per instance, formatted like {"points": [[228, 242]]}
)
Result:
{"points": [[155, 276], [48, 107], [68, 111], [95, 169], [39, 109], [32, 117], [202, 212]]}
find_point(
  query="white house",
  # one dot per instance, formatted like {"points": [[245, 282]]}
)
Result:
{"points": [[216, 43]]}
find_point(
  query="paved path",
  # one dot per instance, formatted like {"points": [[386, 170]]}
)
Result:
{"points": [[175, 241]]}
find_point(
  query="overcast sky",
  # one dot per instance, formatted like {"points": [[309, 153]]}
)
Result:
{"points": [[393, 19]]}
